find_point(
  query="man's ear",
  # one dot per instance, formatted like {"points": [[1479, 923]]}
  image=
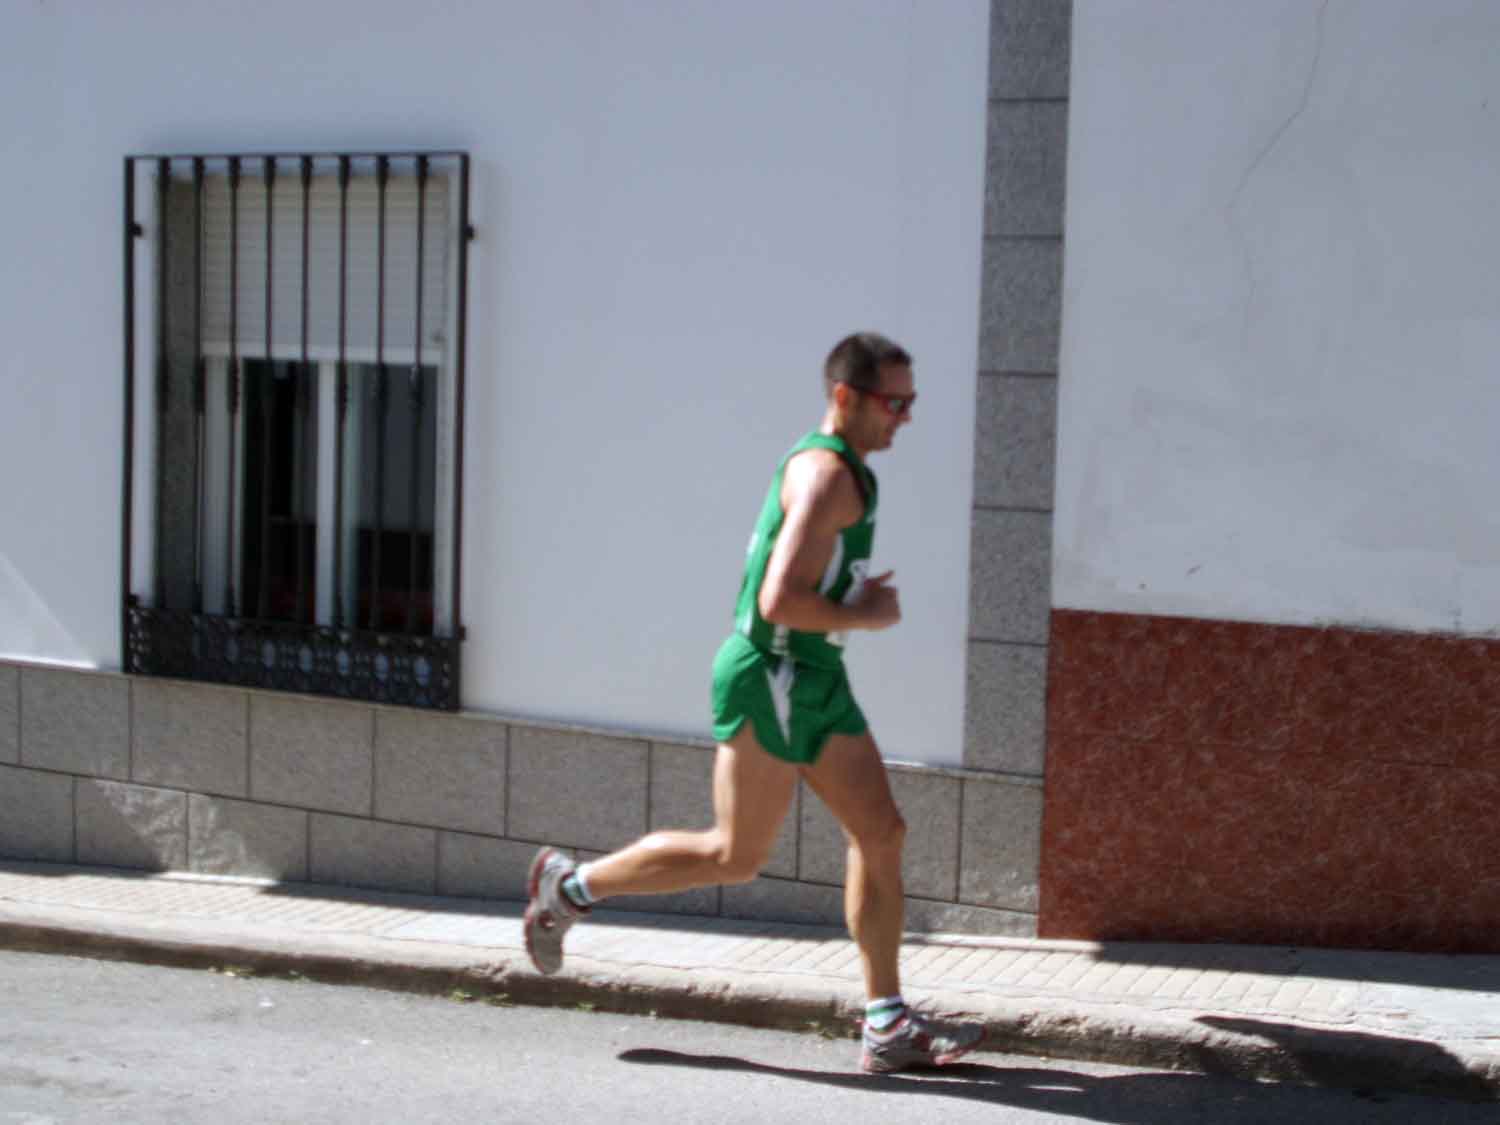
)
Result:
{"points": [[843, 396]]}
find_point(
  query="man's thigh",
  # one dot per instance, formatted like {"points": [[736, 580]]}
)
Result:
{"points": [[753, 790], [850, 778]]}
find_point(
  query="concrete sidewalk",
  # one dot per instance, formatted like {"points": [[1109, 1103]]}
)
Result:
{"points": [[1421, 1023]]}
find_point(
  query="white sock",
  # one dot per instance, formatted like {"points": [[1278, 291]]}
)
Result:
{"points": [[581, 876], [884, 1013]]}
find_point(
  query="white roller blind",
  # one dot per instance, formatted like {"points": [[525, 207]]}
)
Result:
{"points": [[361, 273]]}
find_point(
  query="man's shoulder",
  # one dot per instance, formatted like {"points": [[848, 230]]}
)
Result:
{"points": [[819, 466], [820, 477]]}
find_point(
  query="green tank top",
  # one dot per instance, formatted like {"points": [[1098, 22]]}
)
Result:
{"points": [[842, 581]]}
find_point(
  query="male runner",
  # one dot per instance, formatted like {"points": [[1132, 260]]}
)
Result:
{"points": [[783, 709]]}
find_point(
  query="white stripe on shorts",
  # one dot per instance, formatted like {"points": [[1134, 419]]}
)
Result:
{"points": [[781, 696]]}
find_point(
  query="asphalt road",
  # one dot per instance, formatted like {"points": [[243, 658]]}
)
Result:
{"points": [[93, 1041]]}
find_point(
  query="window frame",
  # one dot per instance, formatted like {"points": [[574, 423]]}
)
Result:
{"points": [[345, 659]]}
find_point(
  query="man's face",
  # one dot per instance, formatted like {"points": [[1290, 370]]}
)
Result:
{"points": [[874, 417]]}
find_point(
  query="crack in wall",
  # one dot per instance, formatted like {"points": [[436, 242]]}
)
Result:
{"points": [[1251, 285]]}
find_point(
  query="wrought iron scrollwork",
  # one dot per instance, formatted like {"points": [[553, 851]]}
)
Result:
{"points": [[413, 671]]}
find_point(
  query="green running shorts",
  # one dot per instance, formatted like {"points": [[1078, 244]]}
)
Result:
{"points": [[793, 708]]}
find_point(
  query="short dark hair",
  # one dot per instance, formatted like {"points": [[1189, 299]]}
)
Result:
{"points": [[857, 360]]}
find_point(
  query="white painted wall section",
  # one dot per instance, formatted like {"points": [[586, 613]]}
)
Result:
{"points": [[1279, 393], [680, 205]]}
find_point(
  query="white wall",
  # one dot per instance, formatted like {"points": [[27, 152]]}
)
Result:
{"points": [[680, 207], [1279, 391]]}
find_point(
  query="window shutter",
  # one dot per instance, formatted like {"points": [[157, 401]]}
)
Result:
{"points": [[323, 272]]}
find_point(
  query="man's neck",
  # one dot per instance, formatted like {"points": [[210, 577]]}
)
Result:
{"points": [[832, 428]]}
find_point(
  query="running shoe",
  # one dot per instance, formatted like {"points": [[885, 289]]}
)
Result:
{"points": [[917, 1041], [550, 912]]}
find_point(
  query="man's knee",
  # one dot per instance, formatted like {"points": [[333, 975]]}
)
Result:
{"points": [[882, 838], [736, 862]]}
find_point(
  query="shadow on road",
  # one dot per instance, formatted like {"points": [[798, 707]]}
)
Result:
{"points": [[1155, 1098], [1327, 1057]]}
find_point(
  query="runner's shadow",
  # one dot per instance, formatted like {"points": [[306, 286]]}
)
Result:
{"points": [[1153, 1098]]}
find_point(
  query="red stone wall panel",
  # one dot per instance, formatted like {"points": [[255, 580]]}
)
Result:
{"points": [[1226, 781]]}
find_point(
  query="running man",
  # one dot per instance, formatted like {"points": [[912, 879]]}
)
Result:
{"points": [[783, 709]]}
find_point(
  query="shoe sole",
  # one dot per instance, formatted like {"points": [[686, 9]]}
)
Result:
{"points": [[533, 884]]}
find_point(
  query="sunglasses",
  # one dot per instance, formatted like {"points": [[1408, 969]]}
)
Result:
{"points": [[897, 406]]}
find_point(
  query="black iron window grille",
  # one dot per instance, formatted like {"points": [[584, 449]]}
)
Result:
{"points": [[292, 508]]}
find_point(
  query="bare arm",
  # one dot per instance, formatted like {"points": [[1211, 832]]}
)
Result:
{"points": [[820, 499]]}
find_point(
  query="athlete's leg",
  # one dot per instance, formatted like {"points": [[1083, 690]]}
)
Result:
{"points": [[752, 792], [851, 780]]}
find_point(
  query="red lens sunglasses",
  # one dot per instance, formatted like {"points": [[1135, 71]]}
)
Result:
{"points": [[896, 405]]}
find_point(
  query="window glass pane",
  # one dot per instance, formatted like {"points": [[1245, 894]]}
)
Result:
{"points": [[280, 491], [392, 456]]}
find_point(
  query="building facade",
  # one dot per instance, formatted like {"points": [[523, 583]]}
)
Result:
{"points": [[1190, 527]]}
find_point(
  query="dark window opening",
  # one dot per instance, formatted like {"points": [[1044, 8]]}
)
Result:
{"points": [[279, 555], [295, 332]]}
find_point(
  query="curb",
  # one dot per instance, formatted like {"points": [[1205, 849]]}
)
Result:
{"points": [[784, 1001]]}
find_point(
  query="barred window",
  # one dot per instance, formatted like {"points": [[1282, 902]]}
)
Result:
{"points": [[293, 516]]}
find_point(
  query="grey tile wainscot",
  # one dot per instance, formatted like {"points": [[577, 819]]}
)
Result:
{"points": [[10, 714], [228, 837], [122, 825], [482, 866], [577, 790], [1002, 828], [75, 722], [928, 804], [682, 797], [369, 853], [447, 771], [36, 815], [189, 736], [312, 754]]}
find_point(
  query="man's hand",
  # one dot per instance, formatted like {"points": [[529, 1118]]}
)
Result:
{"points": [[878, 602]]}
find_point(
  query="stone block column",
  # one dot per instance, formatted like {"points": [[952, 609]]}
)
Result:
{"points": [[1014, 450]]}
